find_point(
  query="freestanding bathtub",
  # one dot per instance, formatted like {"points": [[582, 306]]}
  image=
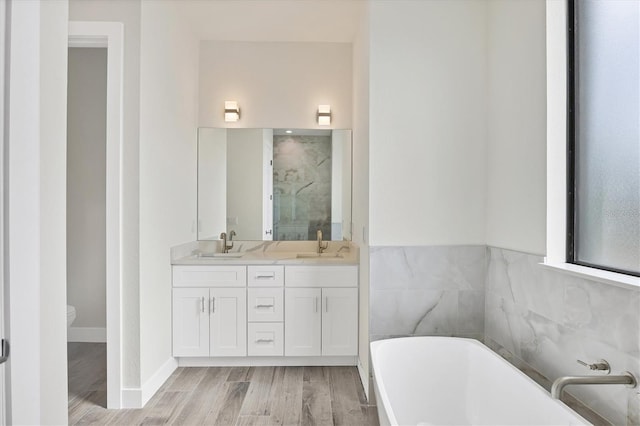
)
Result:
{"points": [[456, 381]]}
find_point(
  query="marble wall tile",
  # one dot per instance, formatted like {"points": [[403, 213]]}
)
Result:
{"points": [[301, 186], [549, 320], [433, 290]]}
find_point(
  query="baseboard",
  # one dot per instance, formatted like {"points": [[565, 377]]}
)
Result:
{"points": [[268, 361], [131, 398], [87, 334], [151, 386], [138, 397], [364, 379]]}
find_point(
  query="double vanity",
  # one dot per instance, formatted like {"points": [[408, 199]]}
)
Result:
{"points": [[267, 305]]}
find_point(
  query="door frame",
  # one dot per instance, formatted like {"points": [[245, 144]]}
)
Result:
{"points": [[110, 35]]}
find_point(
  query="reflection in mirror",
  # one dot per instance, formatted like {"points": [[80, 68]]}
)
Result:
{"points": [[274, 184]]}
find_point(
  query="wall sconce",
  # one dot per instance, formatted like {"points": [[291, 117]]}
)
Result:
{"points": [[231, 111], [324, 115]]}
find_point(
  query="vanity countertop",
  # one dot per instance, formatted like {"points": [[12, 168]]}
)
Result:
{"points": [[270, 258]]}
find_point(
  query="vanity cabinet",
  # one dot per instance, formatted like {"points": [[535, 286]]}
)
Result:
{"points": [[274, 312], [209, 322], [321, 311]]}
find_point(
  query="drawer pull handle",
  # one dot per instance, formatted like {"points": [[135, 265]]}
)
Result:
{"points": [[213, 305], [315, 300], [264, 306], [264, 341], [265, 276], [326, 304], [202, 304]]}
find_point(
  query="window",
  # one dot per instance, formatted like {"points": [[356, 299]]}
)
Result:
{"points": [[603, 120]]}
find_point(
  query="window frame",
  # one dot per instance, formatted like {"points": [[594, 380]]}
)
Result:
{"points": [[571, 168]]}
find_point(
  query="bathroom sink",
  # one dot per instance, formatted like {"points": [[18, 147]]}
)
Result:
{"points": [[319, 255], [222, 255]]}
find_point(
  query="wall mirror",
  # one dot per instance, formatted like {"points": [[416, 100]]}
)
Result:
{"points": [[274, 184]]}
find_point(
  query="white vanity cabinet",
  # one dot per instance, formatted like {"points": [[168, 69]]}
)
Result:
{"points": [[266, 314], [321, 311], [208, 320]]}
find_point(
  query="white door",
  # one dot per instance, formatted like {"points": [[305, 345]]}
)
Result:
{"points": [[339, 321], [228, 327], [302, 322], [190, 322], [267, 185]]}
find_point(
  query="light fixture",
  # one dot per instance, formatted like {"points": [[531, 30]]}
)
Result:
{"points": [[231, 111], [324, 115], [288, 131]]}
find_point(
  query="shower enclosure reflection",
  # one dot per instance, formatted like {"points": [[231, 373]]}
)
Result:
{"points": [[274, 184]]}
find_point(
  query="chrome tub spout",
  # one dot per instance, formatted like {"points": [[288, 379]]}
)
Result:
{"points": [[559, 384]]}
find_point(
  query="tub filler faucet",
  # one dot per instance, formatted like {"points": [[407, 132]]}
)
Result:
{"points": [[625, 378]]}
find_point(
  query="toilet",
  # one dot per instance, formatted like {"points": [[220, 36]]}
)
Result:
{"points": [[71, 315]]}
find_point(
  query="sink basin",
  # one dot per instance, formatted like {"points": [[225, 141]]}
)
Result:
{"points": [[319, 255], [222, 255]]}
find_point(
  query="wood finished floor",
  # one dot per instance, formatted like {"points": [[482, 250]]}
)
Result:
{"points": [[223, 395]]}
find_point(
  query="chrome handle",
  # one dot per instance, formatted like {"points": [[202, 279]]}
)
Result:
{"points": [[264, 341], [601, 365], [213, 305], [202, 304], [5, 351], [264, 306], [326, 303], [315, 299], [265, 276]]}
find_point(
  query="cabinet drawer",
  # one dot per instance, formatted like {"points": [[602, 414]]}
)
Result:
{"points": [[321, 276], [265, 276], [209, 276], [265, 339], [265, 304]]}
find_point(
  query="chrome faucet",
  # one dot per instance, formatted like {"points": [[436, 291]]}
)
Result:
{"points": [[625, 378], [225, 246], [231, 235], [321, 246]]}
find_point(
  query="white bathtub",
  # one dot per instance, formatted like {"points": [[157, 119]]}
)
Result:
{"points": [[455, 381]]}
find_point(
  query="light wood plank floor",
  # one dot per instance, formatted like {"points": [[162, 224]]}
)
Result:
{"points": [[223, 396]]}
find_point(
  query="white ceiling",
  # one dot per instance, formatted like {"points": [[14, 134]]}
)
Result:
{"points": [[274, 20]]}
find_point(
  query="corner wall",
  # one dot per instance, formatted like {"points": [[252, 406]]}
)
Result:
{"points": [[360, 186], [168, 135], [428, 122]]}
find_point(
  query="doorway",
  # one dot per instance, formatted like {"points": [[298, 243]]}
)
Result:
{"points": [[109, 36], [86, 224]]}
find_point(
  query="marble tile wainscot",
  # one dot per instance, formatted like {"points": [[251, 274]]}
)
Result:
{"points": [[549, 319], [427, 290]]}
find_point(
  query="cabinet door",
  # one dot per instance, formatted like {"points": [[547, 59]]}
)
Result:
{"points": [[190, 322], [339, 321], [228, 325], [302, 322]]}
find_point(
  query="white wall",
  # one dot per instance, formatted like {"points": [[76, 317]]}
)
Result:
{"points": [[127, 12], [276, 84], [244, 183], [360, 185], [516, 155], [428, 122], [37, 212], [168, 132], [86, 185]]}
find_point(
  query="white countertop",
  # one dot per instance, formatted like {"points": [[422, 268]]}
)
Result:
{"points": [[271, 258]]}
